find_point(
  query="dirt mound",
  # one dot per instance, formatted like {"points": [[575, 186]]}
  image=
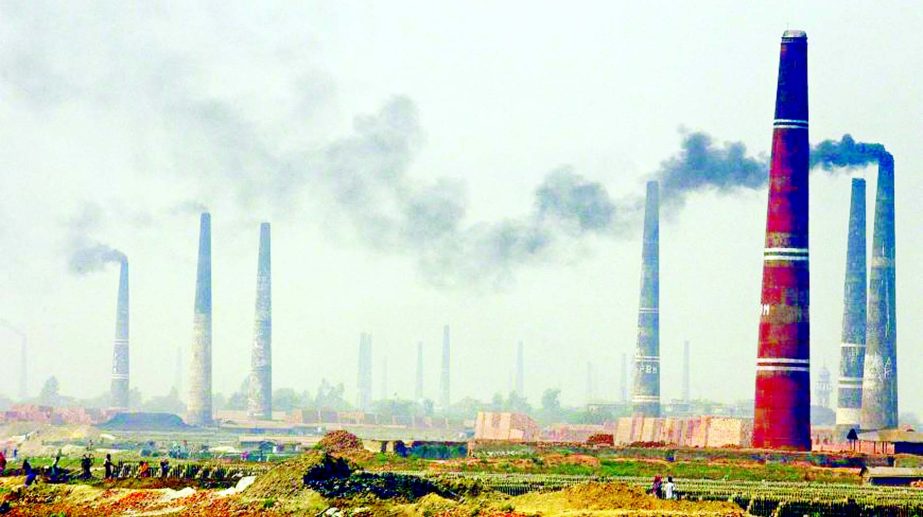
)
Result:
{"points": [[336, 442], [555, 459], [384, 485], [335, 478], [615, 496], [145, 422], [432, 504], [285, 479]]}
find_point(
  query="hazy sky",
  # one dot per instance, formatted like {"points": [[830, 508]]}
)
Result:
{"points": [[393, 147]]}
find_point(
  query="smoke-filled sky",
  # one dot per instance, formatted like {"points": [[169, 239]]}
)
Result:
{"points": [[423, 164]]}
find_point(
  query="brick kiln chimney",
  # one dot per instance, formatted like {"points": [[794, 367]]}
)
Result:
{"points": [[879, 386], [199, 407], [259, 404], [646, 394], [855, 289], [782, 417], [119, 388]]}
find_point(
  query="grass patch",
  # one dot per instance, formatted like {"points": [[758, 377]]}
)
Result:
{"points": [[736, 472]]}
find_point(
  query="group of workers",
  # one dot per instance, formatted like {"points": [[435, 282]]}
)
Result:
{"points": [[662, 490], [56, 474], [125, 470]]}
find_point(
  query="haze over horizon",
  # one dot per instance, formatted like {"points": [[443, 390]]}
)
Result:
{"points": [[422, 165]]}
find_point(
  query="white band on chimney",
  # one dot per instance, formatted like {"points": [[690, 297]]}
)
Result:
{"points": [[852, 345], [857, 386], [790, 123], [764, 368], [781, 360], [793, 251], [645, 398], [793, 254]]}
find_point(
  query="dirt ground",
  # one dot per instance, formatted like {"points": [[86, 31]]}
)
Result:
{"points": [[591, 500]]}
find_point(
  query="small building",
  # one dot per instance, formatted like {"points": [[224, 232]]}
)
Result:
{"points": [[891, 476], [514, 427], [901, 441]]}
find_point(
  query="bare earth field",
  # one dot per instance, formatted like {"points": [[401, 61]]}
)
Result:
{"points": [[340, 478]]}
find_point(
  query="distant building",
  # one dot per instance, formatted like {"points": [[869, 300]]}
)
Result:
{"points": [[891, 476], [676, 408], [56, 415], [513, 427], [700, 431], [902, 441]]}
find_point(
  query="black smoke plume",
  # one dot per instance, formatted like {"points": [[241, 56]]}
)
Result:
{"points": [[367, 176], [86, 255], [847, 153], [701, 164]]}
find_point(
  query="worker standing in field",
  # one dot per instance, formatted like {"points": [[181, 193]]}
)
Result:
{"points": [[656, 489], [28, 471], [2, 462], [86, 463], [108, 466], [55, 469], [669, 489]]}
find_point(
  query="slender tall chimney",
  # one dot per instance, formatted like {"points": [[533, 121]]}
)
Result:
{"points": [[855, 291], [260, 400], [520, 371], [686, 357], [879, 386], [199, 407], [782, 409], [444, 395], [119, 388], [365, 372], [418, 392], [646, 394]]}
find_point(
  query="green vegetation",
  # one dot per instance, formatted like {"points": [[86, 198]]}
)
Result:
{"points": [[725, 471]]}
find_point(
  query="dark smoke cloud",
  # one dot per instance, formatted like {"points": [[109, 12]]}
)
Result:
{"points": [[702, 164], [367, 175], [846, 153], [566, 208], [230, 146], [583, 205], [86, 255]]}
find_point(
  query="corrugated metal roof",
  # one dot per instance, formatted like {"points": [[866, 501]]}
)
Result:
{"points": [[898, 472], [892, 435]]}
